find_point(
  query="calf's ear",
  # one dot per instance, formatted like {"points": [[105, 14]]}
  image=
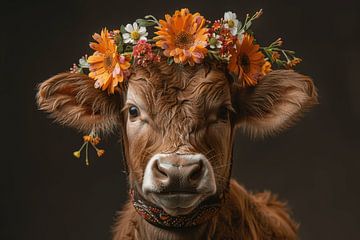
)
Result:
{"points": [[72, 100], [275, 103]]}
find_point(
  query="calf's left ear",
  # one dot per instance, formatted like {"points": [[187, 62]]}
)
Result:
{"points": [[72, 100], [275, 103]]}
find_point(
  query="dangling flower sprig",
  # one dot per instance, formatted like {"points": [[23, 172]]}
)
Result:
{"points": [[93, 139], [282, 57]]}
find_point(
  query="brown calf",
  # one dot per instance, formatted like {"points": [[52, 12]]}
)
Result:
{"points": [[177, 124]]}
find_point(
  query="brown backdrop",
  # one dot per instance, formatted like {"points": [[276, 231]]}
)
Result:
{"points": [[47, 194]]}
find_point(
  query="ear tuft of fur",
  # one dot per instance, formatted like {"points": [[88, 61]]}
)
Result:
{"points": [[72, 100], [275, 103]]}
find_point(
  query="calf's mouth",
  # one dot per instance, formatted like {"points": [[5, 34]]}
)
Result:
{"points": [[178, 183]]}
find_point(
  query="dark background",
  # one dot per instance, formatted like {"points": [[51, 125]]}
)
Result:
{"points": [[48, 194]]}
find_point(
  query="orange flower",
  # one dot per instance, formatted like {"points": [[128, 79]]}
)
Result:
{"points": [[246, 61], [107, 67], [275, 55], [100, 152], [183, 36], [87, 138], [95, 140], [266, 68], [293, 62]]}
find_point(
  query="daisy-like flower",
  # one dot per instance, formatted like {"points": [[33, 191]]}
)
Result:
{"points": [[134, 33], [214, 41], [246, 61], [107, 66], [183, 37], [231, 22]]}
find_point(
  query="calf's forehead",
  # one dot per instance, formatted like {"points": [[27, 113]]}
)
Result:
{"points": [[190, 90]]}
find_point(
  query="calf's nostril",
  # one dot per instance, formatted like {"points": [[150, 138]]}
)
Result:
{"points": [[159, 171], [196, 172]]}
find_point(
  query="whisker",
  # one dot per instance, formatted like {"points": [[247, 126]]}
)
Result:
{"points": [[221, 166]]}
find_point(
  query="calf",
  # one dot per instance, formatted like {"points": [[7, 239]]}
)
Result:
{"points": [[177, 125]]}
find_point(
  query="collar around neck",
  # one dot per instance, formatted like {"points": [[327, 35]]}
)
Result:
{"points": [[159, 218]]}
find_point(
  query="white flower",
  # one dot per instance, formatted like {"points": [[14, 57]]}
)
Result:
{"points": [[134, 33], [231, 22], [214, 41]]}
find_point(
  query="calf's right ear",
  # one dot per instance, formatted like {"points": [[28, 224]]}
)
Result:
{"points": [[72, 100]]}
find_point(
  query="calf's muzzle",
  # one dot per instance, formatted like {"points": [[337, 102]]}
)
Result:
{"points": [[178, 182]]}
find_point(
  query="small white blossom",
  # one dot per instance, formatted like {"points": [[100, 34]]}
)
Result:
{"points": [[231, 22], [214, 41], [134, 33]]}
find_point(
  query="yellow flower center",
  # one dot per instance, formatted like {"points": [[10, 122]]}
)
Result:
{"points": [[184, 40], [231, 23], [135, 35], [213, 41]]}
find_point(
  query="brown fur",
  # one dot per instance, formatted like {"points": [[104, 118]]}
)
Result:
{"points": [[180, 106], [180, 103], [72, 100], [275, 103], [244, 216]]}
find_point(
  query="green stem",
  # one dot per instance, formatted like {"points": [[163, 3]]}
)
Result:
{"points": [[93, 145], [283, 52], [82, 146], [87, 154]]}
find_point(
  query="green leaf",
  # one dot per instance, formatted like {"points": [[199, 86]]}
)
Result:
{"points": [[152, 19], [122, 29], [128, 48], [145, 23], [170, 60], [120, 48], [240, 25], [149, 16], [120, 43]]}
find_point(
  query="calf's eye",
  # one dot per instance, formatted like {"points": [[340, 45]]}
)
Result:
{"points": [[134, 112], [223, 113]]}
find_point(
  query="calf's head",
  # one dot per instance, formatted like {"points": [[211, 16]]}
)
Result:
{"points": [[178, 122]]}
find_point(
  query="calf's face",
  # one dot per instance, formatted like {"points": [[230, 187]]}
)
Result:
{"points": [[177, 123]]}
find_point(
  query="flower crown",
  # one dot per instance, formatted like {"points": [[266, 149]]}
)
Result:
{"points": [[183, 38]]}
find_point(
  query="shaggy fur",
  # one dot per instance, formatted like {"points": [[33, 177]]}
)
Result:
{"points": [[181, 107], [275, 103], [72, 100], [244, 216], [190, 110]]}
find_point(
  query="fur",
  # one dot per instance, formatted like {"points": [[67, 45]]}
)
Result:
{"points": [[244, 216], [180, 112]]}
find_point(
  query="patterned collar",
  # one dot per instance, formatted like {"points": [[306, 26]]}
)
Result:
{"points": [[158, 217]]}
